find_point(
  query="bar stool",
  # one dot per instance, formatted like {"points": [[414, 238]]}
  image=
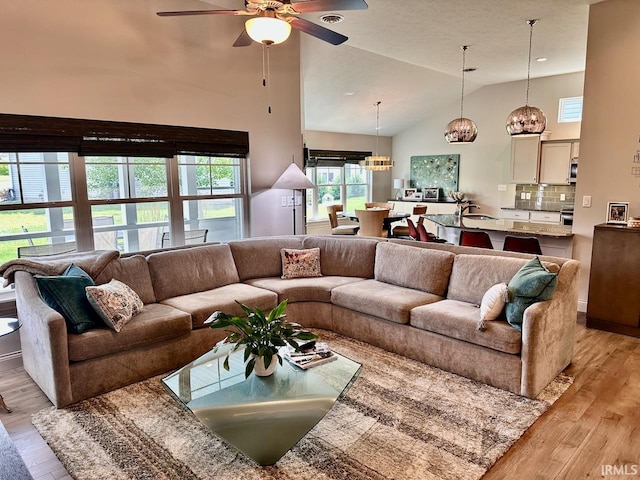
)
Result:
{"points": [[522, 245], [480, 239]]}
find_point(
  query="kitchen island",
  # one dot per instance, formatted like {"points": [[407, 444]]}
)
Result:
{"points": [[555, 240]]}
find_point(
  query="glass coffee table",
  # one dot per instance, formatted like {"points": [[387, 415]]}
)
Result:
{"points": [[262, 417]]}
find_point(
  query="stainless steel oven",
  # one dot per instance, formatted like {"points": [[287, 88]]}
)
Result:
{"points": [[566, 215]]}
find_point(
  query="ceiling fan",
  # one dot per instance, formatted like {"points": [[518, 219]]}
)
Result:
{"points": [[272, 19]]}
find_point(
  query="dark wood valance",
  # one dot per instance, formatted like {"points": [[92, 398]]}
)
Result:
{"points": [[333, 158], [29, 133]]}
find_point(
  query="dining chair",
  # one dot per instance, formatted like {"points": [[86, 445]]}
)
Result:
{"points": [[425, 236], [522, 244], [104, 240], [479, 239], [336, 229], [379, 205], [405, 230], [371, 222], [191, 237]]}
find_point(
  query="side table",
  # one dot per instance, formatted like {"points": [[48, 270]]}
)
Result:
{"points": [[7, 326]]}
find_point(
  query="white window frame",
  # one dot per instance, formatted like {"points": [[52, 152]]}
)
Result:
{"points": [[562, 107], [312, 193]]}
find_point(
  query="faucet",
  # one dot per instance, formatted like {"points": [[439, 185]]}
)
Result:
{"points": [[468, 206]]}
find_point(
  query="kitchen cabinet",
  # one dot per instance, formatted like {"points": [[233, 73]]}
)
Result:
{"points": [[521, 215], [545, 217], [555, 158], [525, 159], [614, 284]]}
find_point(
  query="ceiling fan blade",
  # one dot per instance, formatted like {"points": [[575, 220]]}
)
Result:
{"points": [[317, 31], [328, 5], [203, 12], [244, 40]]}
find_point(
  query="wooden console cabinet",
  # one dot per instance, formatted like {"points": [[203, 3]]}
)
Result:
{"points": [[614, 283]]}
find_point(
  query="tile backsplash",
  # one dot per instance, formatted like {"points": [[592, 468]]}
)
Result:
{"points": [[545, 197]]}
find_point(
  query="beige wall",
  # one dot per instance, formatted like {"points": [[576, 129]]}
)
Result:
{"points": [[484, 164], [382, 181], [117, 60], [610, 127]]}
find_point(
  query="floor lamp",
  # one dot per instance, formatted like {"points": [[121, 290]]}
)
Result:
{"points": [[293, 179]]}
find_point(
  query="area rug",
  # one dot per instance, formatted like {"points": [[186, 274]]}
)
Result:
{"points": [[400, 419]]}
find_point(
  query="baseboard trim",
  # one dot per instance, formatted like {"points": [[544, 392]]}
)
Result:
{"points": [[582, 306], [10, 360]]}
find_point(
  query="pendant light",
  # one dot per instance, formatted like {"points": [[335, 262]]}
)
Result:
{"points": [[527, 120], [461, 130], [377, 163]]}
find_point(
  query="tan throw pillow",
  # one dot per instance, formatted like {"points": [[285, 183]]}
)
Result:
{"points": [[300, 263], [115, 303], [493, 302]]}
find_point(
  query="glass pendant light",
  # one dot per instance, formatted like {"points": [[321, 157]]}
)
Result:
{"points": [[461, 130], [527, 120], [377, 163]]}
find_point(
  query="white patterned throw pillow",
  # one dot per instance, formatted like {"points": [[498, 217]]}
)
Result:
{"points": [[115, 303], [493, 302]]}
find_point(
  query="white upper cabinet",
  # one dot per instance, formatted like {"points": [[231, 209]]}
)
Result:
{"points": [[555, 159], [525, 156]]}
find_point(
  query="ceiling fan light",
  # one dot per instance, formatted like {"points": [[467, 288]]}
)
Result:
{"points": [[267, 30], [526, 120], [461, 130], [377, 163]]}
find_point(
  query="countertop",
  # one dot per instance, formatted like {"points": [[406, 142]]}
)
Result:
{"points": [[502, 225], [425, 200], [531, 209]]}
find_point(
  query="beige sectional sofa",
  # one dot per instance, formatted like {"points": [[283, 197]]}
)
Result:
{"points": [[412, 298]]}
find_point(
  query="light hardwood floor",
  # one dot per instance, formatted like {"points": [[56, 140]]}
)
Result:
{"points": [[595, 424]]}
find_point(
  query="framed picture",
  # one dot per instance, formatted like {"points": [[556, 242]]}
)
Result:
{"points": [[430, 193], [617, 212], [408, 193]]}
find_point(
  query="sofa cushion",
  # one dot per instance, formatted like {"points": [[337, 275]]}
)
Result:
{"points": [[420, 269], [303, 289], [298, 263], [134, 271], [345, 256], [533, 283], [155, 323], [181, 272], [493, 302], [115, 303], [202, 304], [66, 294], [473, 275], [260, 257], [383, 300], [459, 320]]}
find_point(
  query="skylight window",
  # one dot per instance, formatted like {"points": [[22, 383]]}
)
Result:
{"points": [[570, 110]]}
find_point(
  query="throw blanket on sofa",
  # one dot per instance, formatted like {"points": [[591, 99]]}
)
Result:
{"points": [[92, 262]]}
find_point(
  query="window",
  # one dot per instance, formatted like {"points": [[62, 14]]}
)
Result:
{"points": [[339, 179], [71, 185], [570, 110]]}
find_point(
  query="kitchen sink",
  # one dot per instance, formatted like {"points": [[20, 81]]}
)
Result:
{"points": [[478, 216]]}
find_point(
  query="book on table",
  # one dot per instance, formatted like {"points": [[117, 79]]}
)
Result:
{"points": [[308, 358]]}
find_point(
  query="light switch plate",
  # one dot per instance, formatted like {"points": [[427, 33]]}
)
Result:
{"points": [[528, 195], [523, 196], [563, 197], [502, 188], [586, 201], [283, 202]]}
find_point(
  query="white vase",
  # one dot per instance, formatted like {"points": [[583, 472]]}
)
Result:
{"points": [[259, 368]]}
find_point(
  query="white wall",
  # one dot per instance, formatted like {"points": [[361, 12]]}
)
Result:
{"points": [[610, 127], [117, 60], [484, 164], [382, 181]]}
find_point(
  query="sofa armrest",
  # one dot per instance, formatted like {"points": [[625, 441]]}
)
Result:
{"points": [[43, 338], [548, 333]]}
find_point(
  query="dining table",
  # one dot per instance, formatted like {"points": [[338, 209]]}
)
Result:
{"points": [[387, 221]]}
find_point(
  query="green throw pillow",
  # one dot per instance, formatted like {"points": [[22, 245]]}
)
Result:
{"points": [[533, 283], [66, 294]]}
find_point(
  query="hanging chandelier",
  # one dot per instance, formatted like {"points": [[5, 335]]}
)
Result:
{"points": [[527, 120], [377, 163], [461, 130]]}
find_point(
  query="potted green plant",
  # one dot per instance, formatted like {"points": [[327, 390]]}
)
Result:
{"points": [[261, 336]]}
